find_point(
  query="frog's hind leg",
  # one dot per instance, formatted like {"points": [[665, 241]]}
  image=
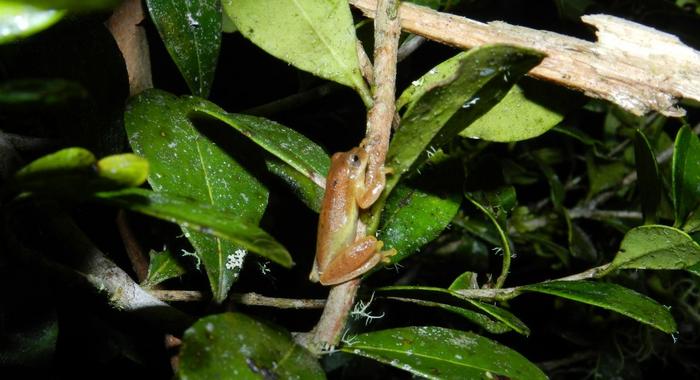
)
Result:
{"points": [[353, 261]]}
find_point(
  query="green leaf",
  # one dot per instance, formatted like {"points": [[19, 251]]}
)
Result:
{"points": [[466, 280], [528, 110], [191, 31], [162, 266], [440, 353], [685, 174], [656, 247], [235, 346], [71, 5], [74, 173], [227, 25], [18, 20], [293, 148], [184, 161], [416, 213], [449, 100], [127, 170], [196, 216], [648, 180], [604, 176], [40, 92], [439, 294], [494, 327], [68, 160], [304, 188], [298, 161], [612, 297], [695, 269], [314, 36]]}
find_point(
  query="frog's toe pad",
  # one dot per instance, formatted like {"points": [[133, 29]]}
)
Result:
{"points": [[387, 254]]}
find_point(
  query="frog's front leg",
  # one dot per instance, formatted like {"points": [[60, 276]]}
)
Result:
{"points": [[355, 260]]}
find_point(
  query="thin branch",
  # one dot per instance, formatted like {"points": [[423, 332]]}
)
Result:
{"points": [[91, 266], [409, 46], [387, 30], [178, 295], [505, 294], [637, 67], [124, 24], [587, 213], [255, 299], [139, 262], [330, 327]]}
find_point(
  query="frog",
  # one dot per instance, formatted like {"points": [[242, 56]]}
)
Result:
{"points": [[341, 257]]}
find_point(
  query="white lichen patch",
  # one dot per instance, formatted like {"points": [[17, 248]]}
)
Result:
{"points": [[235, 260]]}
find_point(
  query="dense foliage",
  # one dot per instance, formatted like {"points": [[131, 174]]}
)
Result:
{"points": [[539, 233]]}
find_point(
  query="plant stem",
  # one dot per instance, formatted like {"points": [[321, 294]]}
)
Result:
{"points": [[505, 294], [255, 299], [125, 26], [90, 265], [331, 325], [133, 249], [505, 242]]}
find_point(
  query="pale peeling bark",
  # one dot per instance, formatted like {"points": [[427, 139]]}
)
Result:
{"points": [[634, 66]]}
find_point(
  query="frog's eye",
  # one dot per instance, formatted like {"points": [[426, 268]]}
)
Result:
{"points": [[355, 160]]}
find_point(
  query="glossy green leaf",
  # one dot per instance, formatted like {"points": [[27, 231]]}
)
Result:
{"points": [[488, 324], [604, 176], [293, 148], [227, 25], [237, 347], [612, 297], [685, 174], [163, 266], [414, 215], [528, 110], [40, 92], [184, 161], [19, 20], [72, 5], [447, 296], [695, 269], [314, 36], [310, 193], [74, 173], [128, 170], [648, 180], [656, 247], [202, 218], [446, 102], [191, 31], [66, 160], [466, 280], [440, 353]]}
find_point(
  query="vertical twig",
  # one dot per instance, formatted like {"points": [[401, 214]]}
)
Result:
{"points": [[132, 42], [387, 29], [332, 323], [139, 262]]}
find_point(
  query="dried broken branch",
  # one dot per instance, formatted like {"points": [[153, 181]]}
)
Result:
{"points": [[634, 66]]}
